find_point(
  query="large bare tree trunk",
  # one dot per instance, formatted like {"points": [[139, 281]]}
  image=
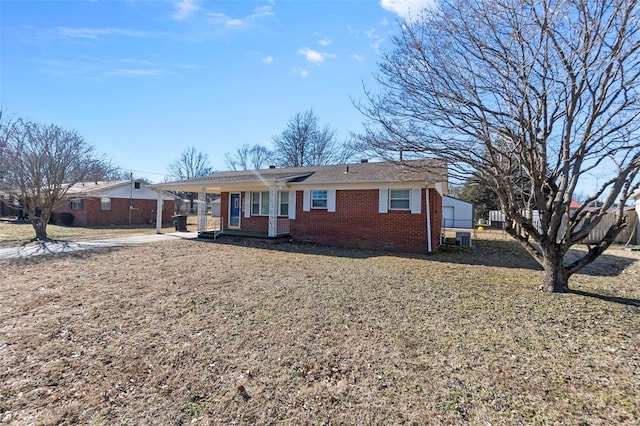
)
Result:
{"points": [[40, 226], [556, 276]]}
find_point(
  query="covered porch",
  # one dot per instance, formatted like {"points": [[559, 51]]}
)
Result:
{"points": [[250, 206]]}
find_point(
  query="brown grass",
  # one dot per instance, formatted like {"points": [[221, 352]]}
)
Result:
{"points": [[196, 332], [18, 233]]}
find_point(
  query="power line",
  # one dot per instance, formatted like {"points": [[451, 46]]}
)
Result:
{"points": [[140, 171]]}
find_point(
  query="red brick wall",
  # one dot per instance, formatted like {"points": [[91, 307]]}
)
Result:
{"points": [[356, 222], [251, 224], [143, 212]]}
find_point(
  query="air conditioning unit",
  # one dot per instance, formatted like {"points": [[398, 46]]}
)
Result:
{"points": [[463, 239]]}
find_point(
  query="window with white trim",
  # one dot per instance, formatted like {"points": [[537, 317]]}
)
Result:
{"points": [[283, 205], [260, 203], [105, 203], [76, 204], [399, 199], [318, 199]]}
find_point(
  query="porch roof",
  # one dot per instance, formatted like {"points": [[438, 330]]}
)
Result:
{"points": [[422, 171]]}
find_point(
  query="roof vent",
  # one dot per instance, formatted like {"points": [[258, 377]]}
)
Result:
{"points": [[364, 160], [272, 166]]}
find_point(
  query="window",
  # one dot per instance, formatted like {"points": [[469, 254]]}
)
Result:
{"points": [[260, 203], [76, 204], [283, 210], [399, 199], [105, 203], [319, 199], [136, 185]]}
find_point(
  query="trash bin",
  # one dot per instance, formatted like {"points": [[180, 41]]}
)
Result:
{"points": [[180, 222]]}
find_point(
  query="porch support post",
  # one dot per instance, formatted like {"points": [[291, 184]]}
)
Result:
{"points": [[273, 211], [159, 213], [202, 210]]}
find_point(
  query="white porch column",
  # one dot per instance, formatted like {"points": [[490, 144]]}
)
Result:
{"points": [[202, 210], [273, 211], [159, 213]]}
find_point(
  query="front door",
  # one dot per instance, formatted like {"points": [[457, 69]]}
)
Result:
{"points": [[234, 210]]}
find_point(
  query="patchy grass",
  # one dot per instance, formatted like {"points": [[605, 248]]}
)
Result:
{"points": [[19, 233], [193, 331]]}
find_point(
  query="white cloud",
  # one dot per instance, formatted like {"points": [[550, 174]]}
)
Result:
{"points": [[324, 41], [95, 68], [384, 22], [94, 33], [302, 72], [407, 8], [374, 39], [314, 56], [267, 60], [134, 72], [359, 58], [184, 9], [239, 23]]}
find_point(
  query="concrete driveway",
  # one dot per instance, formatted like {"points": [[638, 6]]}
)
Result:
{"points": [[54, 247]]}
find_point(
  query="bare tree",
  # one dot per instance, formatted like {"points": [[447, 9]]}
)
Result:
{"points": [[40, 163], [247, 157], [528, 97], [191, 164], [304, 143], [259, 157]]}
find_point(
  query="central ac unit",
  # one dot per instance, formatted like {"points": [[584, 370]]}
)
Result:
{"points": [[463, 239]]}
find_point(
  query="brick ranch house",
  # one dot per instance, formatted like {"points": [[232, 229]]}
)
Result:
{"points": [[107, 203], [393, 206]]}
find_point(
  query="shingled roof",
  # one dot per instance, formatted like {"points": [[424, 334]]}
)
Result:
{"points": [[86, 188], [363, 172]]}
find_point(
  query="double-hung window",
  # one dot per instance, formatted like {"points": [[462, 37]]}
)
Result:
{"points": [[399, 199], [283, 205], [318, 199], [76, 204], [260, 203], [105, 203]]}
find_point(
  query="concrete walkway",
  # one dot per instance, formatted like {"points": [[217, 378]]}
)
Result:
{"points": [[53, 247]]}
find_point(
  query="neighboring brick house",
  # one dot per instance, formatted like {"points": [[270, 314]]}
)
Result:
{"points": [[395, 206], [122, 202], [9, 207]]}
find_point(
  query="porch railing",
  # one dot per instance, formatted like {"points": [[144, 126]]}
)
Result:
{"points": [[284, 226], [215, 225]]}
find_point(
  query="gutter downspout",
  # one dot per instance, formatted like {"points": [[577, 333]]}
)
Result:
{"points": [[429, 248]]}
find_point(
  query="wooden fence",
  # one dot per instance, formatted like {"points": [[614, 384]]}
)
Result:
{"points": [[628, 235]]}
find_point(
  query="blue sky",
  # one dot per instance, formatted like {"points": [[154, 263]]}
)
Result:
{"points": [[143, 80]]}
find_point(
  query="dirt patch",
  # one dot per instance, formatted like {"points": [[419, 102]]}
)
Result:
{"points": [[195, 332]]}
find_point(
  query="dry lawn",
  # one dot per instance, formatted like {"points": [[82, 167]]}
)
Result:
{"points": [[193, 332], [14, 234]]}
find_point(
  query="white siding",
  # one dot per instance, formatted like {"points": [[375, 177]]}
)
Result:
{"points": [[457, 213]]}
